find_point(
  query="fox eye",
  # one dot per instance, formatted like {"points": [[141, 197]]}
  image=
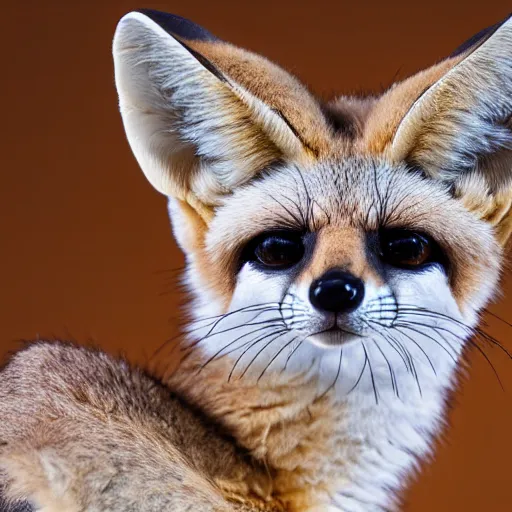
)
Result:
{"points": [[276, 250], [408, 249]]}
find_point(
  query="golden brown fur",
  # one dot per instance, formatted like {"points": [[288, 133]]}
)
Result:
{"points": [[65, 408]]}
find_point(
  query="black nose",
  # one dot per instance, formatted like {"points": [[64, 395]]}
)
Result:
{"points": [[337, 291]]}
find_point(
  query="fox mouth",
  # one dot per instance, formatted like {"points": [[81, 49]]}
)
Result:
{"points": [[334, 336]]}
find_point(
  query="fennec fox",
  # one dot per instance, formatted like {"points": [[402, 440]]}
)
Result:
{"points": [[338, 256]]}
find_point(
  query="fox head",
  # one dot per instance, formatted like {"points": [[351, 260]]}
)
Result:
{"points": [[352, 242]]}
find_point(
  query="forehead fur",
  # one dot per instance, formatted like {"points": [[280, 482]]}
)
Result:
{"points": [[350, 197]]}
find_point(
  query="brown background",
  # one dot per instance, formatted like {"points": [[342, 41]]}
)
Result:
{"points": [[83, 237]]}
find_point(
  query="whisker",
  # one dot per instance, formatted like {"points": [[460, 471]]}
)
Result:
{"points": [[486, 357], [195, 344], [390, 368], [443, 337], [487, 337], [276, 356], [360, 377], [494, 315], [212, 358], [260, 311], [253, 344], [391, 343], [299, 220], [293, 352], [165, 344], [412, 366], [382, 298], [219, 319], [276, 321], [271, 306], [297, 317], [470, 330], [279, 334], [438, 328], [372, 377], [420, 348], [335, 378], [421, 333], [392, 374]]}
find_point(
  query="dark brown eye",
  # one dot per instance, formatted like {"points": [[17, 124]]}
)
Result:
{"points": [[276, 251], [407, 249]]}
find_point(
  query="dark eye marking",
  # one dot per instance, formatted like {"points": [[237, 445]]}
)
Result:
{"points": [[275, 250], [408, 249], [283, 249]]}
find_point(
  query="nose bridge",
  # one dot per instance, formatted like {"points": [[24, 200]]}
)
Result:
{"points": [[338, 247]]}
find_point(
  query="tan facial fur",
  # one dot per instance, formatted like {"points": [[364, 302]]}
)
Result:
{"points": [[269, 410]]}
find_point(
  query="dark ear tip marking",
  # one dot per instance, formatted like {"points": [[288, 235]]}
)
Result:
{"points": [[20, 506], [178, 26], [479, 38]]}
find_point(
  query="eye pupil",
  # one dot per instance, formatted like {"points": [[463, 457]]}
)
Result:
{"points": [[277, 250], [410, 248], [406, 249]]}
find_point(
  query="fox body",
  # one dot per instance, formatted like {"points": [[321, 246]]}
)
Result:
{"points": [[338, 256]]}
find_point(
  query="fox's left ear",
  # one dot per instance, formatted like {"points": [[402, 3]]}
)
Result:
{"points": [[459, 129]]}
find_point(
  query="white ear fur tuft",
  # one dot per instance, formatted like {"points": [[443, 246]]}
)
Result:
{"points": [[195, 133]]}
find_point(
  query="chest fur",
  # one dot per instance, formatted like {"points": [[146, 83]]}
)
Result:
{"points": [[324, 451]]}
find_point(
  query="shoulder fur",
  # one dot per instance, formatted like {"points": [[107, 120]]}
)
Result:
{"points": [[79, 429]]}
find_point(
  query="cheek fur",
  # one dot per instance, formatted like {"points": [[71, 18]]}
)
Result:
{"points": [[256, 287], [427, 289]]}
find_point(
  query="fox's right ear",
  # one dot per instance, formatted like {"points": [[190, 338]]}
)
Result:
{"points": [[202, 116]]}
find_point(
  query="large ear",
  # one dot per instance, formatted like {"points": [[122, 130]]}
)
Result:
{"points": [[203, 116], [459, 129]]}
